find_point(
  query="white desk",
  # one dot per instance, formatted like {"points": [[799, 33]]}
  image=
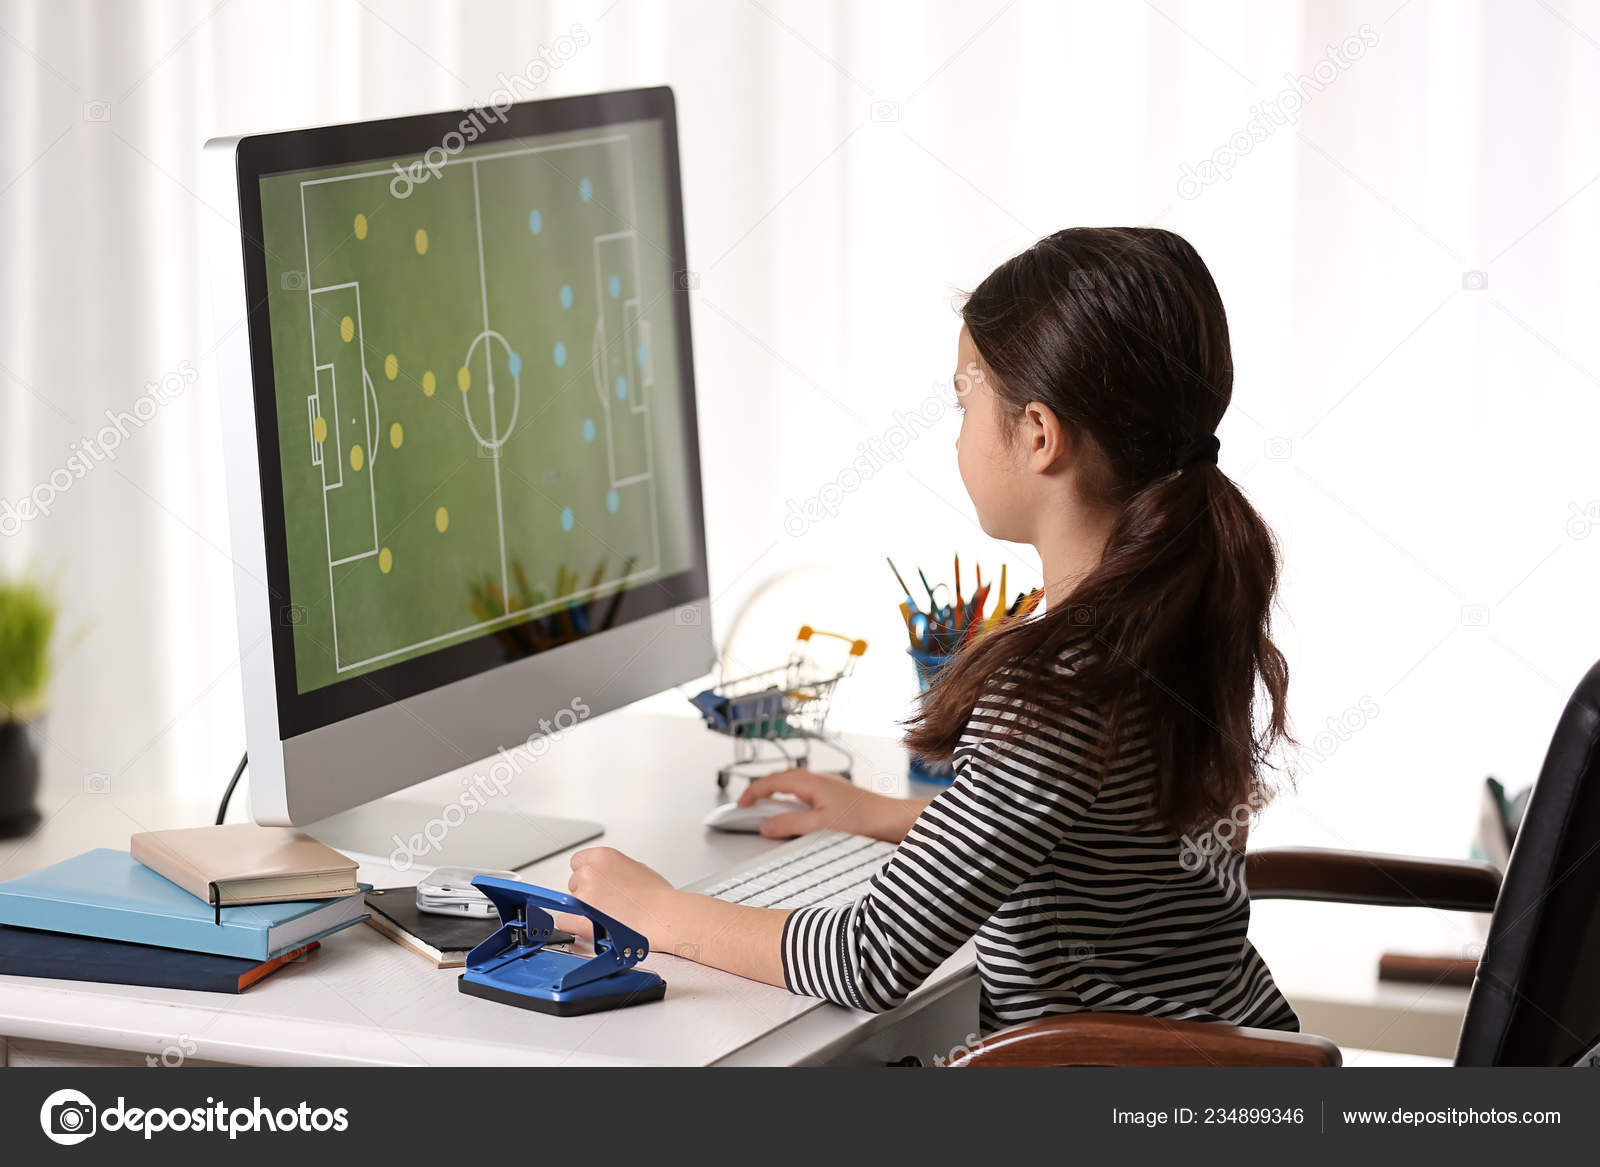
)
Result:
{"points": [[364, 1000]]}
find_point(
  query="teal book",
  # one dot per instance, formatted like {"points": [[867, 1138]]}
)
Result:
{"points": [[111, 896]]}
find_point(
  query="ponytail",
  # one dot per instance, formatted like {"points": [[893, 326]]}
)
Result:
{"points": [[1169, 634]]}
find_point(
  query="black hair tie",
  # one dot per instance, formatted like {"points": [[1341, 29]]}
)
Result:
{"points": [[1200, 450]]}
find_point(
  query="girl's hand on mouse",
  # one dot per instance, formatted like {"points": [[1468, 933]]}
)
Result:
{"points": [[834, 804]]}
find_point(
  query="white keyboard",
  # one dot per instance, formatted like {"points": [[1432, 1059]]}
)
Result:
{"points": [[821, 869]]}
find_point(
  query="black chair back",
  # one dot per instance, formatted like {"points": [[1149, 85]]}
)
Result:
{"points": [[1536, 999]]}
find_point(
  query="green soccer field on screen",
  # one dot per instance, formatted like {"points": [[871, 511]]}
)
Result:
{"points": [[473, 392]]}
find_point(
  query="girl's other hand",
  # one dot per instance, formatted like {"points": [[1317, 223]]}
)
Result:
{"points": [[832, 804], [622, 888]]}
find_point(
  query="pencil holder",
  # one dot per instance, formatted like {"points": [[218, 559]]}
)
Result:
{"points": [[929, 665]]}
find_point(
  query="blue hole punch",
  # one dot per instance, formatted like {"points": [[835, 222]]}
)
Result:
{"points": [[514, 967]]}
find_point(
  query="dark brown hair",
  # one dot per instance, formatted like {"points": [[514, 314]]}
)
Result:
{"points": [[1121, 333]]}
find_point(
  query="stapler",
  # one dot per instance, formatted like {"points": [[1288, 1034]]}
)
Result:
{"points": [[514, 967]]}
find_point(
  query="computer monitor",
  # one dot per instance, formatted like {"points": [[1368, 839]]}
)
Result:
{"points": [[460, 442]]}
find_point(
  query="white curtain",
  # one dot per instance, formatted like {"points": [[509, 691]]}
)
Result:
{"points": [[1398, 200]]}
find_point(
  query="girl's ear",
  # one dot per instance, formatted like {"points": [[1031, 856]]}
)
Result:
{"points": [[1046, 441]]}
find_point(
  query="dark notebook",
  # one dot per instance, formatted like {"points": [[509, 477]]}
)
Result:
{"points": [[25, 952], [445, 940]]}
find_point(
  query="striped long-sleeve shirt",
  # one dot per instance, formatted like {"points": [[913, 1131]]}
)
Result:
{"points": [[1077, 901]]}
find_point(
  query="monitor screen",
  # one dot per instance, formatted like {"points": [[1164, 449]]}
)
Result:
{"points": [[482, 404]]}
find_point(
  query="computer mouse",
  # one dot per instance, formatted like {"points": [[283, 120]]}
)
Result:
{"points": [[730, 816]]}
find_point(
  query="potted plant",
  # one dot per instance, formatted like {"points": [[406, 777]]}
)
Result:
{"points": [[27, 624]]}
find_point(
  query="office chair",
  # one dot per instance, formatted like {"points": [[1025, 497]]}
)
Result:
{"points": [[1534, 1001]]}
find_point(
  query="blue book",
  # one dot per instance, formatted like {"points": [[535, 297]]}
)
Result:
{"points": [[109, 895], [26, 953]]}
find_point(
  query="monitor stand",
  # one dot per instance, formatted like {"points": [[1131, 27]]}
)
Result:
{"points": [[419, 836]]}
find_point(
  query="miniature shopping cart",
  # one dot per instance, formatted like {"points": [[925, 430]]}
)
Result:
{"points": [[773, 716]]}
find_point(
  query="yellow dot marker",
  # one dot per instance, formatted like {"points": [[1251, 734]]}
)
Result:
{"points": [[396, 435], [361, 226], [441, 519], [347, 330], [385, 561], [357, 458], [464, 378], [319, 430], [429, 384], [422, 242], [391, 366]]}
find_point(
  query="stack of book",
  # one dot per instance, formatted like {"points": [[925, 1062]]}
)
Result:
{"points": [[212, 908]]}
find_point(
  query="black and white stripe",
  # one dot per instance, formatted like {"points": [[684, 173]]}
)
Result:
{"points": [[1076, 900]]}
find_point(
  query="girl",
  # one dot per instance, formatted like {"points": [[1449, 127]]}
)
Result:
{"points": [[1096, 745]]}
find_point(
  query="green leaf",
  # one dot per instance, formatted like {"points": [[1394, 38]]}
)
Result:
{"points": [[28, 610]]}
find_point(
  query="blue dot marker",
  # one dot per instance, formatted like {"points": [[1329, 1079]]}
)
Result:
{"points": [[622, 388], [639, 353], [615, 287], [535, 222], [515, 362], [566, 518], [566, 295], [613, 501], [586, 190], [561, 354], [588, 429]]}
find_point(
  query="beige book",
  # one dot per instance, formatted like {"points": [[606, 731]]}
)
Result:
{"points": [[246, 864]]}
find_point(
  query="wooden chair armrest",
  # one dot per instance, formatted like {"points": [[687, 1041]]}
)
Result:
{"points": [[1367, 877], [1127, 1039]]}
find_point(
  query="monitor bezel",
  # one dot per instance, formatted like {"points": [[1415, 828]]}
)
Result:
{"points": [[265, 155]]}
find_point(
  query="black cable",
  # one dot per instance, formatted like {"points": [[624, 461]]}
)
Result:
{"points": [[222, 811]]}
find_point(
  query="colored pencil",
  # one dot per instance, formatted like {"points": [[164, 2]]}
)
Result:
{"points": [[898, 579], [999, 601], [975, 620], [958, 591], [905, 614]]}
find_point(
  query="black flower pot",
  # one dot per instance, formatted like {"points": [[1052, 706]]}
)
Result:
{"points": [[19, 776]]}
